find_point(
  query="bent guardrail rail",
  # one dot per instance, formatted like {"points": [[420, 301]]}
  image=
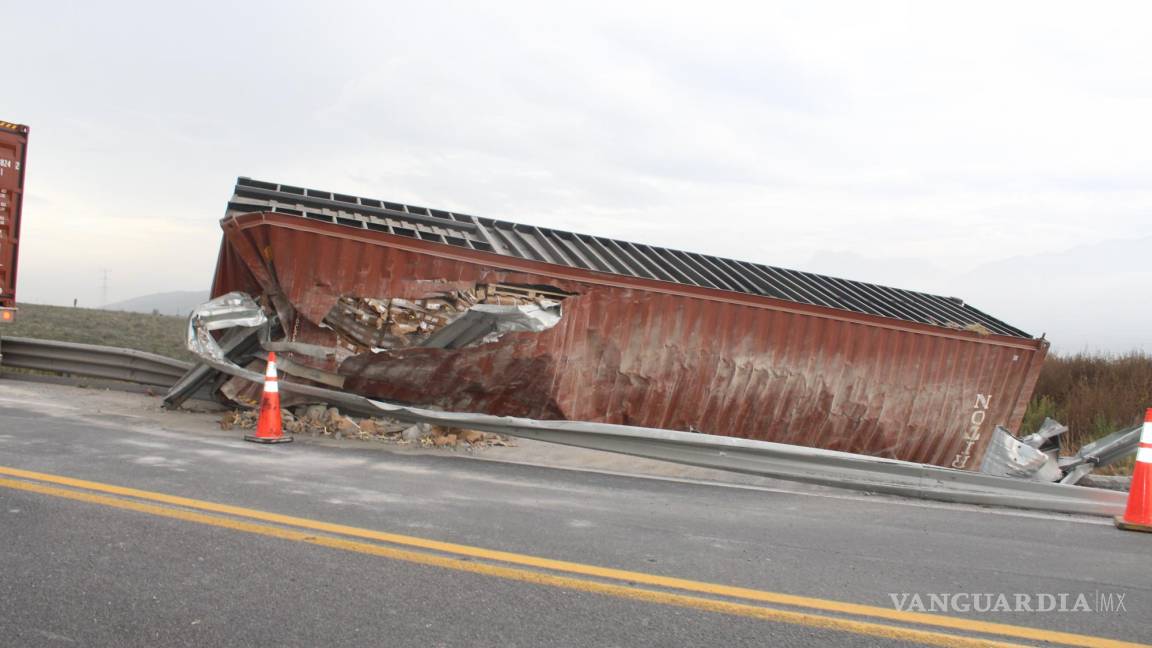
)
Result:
{"points": [[92, 361], [782, 461]]}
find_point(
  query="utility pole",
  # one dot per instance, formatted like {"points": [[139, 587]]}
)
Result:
{"points": [[104, 288]]}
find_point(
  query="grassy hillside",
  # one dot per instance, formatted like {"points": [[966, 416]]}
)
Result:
{"points": [[162, 334]]}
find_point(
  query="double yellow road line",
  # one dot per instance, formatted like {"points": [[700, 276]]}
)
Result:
{"points": [[930, 629]]}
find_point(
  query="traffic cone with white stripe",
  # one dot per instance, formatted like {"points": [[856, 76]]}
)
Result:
{"points": [[269, 428], [1138, 515]]}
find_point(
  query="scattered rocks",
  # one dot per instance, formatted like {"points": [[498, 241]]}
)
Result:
{"points": [[244, 419], [444, 440], [312, 413], [324, 421], [416, 432], [346, 427]]}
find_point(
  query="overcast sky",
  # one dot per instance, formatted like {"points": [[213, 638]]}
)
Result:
{"points": [[1000, 152]]}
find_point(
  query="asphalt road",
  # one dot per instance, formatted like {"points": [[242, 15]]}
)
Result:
{"points": [[85, 565]]}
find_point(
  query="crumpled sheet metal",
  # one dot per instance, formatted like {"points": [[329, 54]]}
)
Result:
{"points": [[1050, 431], [226, 311], [791, 462], [645, 353], [1008, 456], [487, 322], [237, 309]]}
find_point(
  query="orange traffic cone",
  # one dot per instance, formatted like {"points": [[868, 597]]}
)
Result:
{"points": [[269, 428], [1138, 515]]}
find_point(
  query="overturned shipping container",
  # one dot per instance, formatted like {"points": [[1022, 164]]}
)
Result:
{"points": [[436, 308], [13, 158]]}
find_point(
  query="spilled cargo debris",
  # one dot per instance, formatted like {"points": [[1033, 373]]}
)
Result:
{"points": [[323, 421], [434, 308], [447, 320]]}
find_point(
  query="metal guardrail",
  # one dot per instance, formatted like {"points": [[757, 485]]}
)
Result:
{"points": [[789, 462], [778, 460], [782, 461], [92, 361]]}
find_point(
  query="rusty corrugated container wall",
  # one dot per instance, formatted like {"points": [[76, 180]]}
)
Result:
{"points": [[13, 156], [646, 336]]}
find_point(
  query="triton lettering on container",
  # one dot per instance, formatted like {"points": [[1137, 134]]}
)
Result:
{"points": [[436, 308], [13, 155]]}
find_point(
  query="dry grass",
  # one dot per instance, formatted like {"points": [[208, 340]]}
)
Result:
{"points": [[1093, 394], [162, 334]]}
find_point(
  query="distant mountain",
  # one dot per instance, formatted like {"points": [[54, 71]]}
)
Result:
{"points": [[169, 303], [1091, 297]]}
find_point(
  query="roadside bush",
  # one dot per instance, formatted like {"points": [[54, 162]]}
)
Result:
{"points": [[1093, 394]]}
